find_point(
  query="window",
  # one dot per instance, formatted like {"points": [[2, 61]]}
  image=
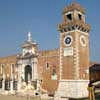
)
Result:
{"points": [[54, 75], [69, 16], [80, 16], [47, 65]]}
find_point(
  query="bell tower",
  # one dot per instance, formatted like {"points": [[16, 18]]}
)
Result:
{"points": [[74, 43], [74, 52]]}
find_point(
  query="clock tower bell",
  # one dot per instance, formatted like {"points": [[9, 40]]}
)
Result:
{"points": [[74, 53]]}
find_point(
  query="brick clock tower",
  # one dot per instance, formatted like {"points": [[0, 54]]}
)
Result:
{"points": [[74, 53]]}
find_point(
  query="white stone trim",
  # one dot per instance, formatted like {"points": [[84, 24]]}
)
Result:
{"points": [[83, 37], [68, 32], [60, 57], [69, 13], [76, 57], [85, 33]]}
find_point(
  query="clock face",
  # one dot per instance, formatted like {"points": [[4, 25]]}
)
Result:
{"points": [[68, 40], [83, 40]]}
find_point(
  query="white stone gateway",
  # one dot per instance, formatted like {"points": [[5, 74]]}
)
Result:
{"points": [[27, 61]]}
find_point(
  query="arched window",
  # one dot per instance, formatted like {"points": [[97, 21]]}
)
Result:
{"points": [[80, 16], [69, 16], [47, 65]]}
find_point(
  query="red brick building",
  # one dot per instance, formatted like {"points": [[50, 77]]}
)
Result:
{"points": [[53, 69]]}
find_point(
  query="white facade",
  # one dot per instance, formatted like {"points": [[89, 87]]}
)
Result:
{"points": [[27, 67]]}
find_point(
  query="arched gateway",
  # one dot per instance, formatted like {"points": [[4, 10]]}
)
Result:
{"points": [[27, 67], [28, 73]]}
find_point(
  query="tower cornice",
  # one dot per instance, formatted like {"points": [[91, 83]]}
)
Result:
{"points": [[69, 26]]}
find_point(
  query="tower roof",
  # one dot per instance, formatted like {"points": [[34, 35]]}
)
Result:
{"points": [[74, 6]]}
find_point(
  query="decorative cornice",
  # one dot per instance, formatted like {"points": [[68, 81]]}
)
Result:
{"points": [[69, 26], [27, 56], [28, 44]]}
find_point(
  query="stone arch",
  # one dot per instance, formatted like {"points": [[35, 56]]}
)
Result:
{"points": [[28, 73]]}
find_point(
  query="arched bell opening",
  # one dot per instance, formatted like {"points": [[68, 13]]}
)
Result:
{"points": [[28, 73]]}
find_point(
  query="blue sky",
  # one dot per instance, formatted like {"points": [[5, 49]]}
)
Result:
{"points": [[41, 17]]}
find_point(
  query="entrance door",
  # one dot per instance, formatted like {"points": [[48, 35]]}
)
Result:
{"points": [[28, 73]]}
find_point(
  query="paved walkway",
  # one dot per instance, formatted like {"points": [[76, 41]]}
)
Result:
{"points": [[18, 98], [6, 97]]}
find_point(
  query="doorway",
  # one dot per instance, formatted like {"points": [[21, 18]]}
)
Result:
{"points": [[28, 73]]}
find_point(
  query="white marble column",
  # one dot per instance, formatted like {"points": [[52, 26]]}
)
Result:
{"points": [[3, 82], [11, 85], [35, 69], [19, 85], [11, 82], [19, 77], [38, 85]]}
